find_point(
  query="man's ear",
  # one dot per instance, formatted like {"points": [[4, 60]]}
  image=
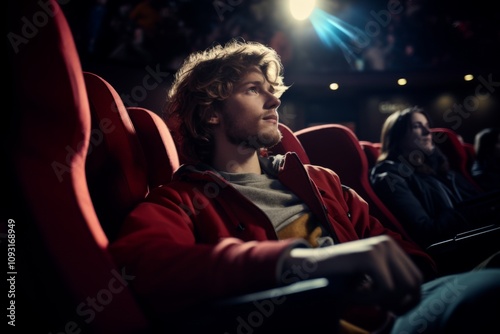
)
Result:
{"points": [[213, 118]]}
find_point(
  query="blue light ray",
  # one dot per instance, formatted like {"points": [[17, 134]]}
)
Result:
{"points": [[334, 32]]}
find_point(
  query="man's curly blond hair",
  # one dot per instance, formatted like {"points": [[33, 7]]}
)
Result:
{"points": [[204, 81]]}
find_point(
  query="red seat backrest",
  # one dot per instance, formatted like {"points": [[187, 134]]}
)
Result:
{"points": [[450, 144], [157, 143], [335, 146], [371, 150], [65, 265], [289, 143], [116, 166]]}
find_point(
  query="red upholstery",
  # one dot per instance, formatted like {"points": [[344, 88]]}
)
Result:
{"points": [[471, 155], [116, 165], [157, 143], [64, 263], [450, 144], [336, 147], [371, 150], [289, 143]]}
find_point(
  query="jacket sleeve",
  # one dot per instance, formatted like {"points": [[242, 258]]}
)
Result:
{"points": [[171, 268]]}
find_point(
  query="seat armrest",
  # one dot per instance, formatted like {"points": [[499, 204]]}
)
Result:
{"points": [[308, 305], [466, 249]]}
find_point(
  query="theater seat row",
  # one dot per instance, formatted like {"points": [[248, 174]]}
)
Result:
{"points": [[335, 146]]}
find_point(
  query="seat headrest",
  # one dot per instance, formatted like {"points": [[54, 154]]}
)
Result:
{"points": [[116, 166], [289, 143], [449, 143], [372, 152], [350, 160], [157, 143]]}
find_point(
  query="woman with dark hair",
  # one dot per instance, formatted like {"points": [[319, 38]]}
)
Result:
{"points": [[486, 167], [412, 177]]}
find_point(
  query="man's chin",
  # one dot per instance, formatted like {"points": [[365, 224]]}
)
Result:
{"points": [[268, 139], [271, 144]]}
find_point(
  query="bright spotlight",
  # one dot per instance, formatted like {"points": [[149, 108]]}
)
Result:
{"points": [[301, 9]]}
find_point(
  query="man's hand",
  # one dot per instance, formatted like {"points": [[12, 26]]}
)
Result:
{"points": [[377, 271]]}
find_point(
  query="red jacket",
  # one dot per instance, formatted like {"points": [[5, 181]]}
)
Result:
{"points": [[198, 238]]}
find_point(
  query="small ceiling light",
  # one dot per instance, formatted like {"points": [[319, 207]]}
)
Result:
{"points": [[468, 77], [334, 86], [402, 81]]}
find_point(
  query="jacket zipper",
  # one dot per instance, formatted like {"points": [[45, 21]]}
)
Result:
{"points": [[314, 189]]}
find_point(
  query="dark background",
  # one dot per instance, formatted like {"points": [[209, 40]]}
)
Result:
{"points": [[431, 43]]}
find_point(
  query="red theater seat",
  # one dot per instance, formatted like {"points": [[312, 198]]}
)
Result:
{"points": [[116, 165], [157, 143], [372, 151], [67, 279], [450, 144]]}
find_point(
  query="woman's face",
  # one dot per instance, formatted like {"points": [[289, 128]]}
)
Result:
{"points": [[419, 136]]}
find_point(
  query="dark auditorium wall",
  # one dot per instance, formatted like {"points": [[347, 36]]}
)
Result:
{"points": [[447, 39], [465, 107]]}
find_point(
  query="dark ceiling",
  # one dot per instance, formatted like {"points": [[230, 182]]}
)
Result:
{"points": [[385, 36], [366, 45]]}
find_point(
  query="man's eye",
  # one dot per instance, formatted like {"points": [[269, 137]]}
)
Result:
{"points": [[252, 89]]}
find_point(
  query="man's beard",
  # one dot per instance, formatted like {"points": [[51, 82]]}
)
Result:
{"points": [[254, 141], [245, 139]]}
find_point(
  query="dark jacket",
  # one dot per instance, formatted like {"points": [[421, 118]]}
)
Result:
{"points": [[425, 203]]}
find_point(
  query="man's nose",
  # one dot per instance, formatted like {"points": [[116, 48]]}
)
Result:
{"points": [[273, 102]]}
